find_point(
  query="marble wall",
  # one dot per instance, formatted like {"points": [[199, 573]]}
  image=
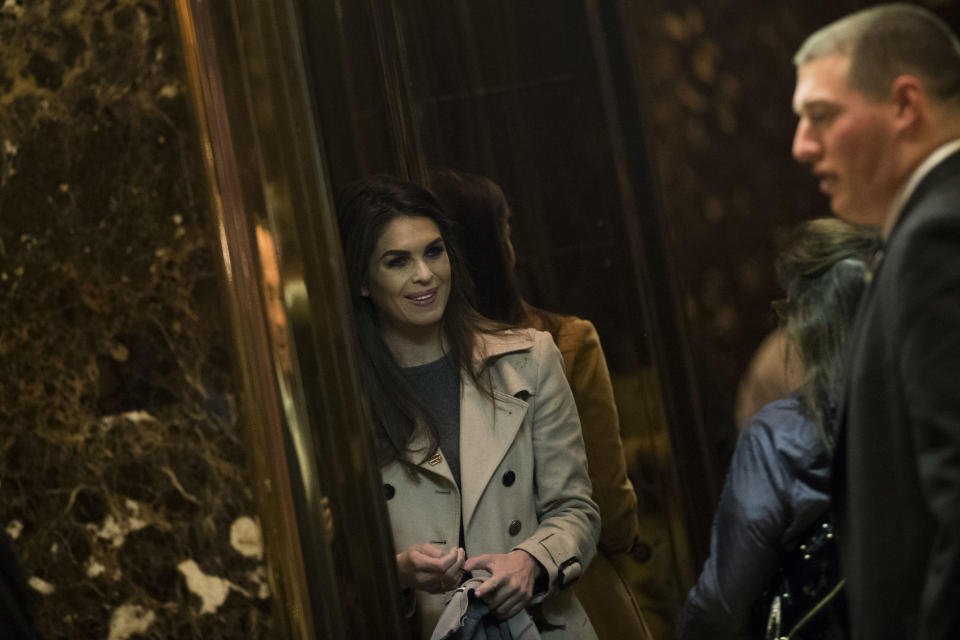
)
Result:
{"points": [[123, 482]]}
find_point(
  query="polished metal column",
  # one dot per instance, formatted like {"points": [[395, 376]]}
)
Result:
{"points": [[330, 554]]}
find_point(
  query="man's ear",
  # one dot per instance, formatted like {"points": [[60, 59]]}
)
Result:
{"points": [[909, 101]]}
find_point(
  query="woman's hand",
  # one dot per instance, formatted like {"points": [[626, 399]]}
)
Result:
{"points": [[510, 585], [425, 567]]}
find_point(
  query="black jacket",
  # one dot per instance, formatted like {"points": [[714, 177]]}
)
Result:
{"points": [[897, 467]]}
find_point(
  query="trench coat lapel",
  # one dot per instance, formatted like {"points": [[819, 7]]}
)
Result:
{"points": [[436, 465], [488, 428]]}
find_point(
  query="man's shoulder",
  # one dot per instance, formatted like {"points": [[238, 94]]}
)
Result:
{"points": [[929, 229], [919, 270], [936, 201]]}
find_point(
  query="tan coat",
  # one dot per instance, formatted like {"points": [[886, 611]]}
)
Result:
{"points": [[523, 476], [603, 591]]}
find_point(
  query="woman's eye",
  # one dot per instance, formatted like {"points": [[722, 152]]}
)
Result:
{"points": [[395, 263], [435, 251]]}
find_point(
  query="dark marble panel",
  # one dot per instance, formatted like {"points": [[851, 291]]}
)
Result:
{"points": [[122, 477]]}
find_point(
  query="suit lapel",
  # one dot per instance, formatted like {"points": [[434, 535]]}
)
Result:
{"points": [[864, 310], [487, 430], [946, 170], [943, 172]]}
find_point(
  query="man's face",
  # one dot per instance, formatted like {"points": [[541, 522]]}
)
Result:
{"points": [[849, 141]]}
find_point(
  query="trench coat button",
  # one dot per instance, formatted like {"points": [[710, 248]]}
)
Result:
{"points": [[389, 491], [514, 528], [435, 460], [509, 478], [641, 552]]}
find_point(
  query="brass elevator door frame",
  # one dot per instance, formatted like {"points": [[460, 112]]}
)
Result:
{"points": [[258, 105], [330, 555]]}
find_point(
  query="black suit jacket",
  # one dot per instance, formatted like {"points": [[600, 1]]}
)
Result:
{"points": [[897, 468]]}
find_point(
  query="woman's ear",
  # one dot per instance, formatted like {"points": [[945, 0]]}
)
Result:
{"points": [[364, 292]]}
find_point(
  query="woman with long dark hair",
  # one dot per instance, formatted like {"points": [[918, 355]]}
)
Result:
{"points": [[777, 486], [477, 434], [482, 215]]}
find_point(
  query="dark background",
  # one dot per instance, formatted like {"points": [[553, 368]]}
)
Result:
{"points": [[645, 150]]}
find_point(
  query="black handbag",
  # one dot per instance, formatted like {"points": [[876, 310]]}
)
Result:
{"points": [[806, 600]]}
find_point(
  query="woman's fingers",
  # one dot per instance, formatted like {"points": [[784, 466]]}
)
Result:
{"points": [[510, 606], [453, 560], [489, 590], [510, 585], [428, 550], [506, 591], [430, 558], [479, 562], [504, 596], [453, 574], [436, 570]]}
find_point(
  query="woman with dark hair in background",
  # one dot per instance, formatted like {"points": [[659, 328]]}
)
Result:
{"points": [[480, 210], [476, 430], [778, 481]]}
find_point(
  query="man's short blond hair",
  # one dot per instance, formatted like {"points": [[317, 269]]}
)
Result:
{"points": [[888, 41]]}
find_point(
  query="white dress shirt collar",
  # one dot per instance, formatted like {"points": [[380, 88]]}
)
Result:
{"points": [[903, 194]]}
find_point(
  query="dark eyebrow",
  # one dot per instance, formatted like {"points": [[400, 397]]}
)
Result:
{"points": [[394, 252], [391, 253]]}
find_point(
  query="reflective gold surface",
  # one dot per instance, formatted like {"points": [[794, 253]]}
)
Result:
{"points": [[331, 558], [261, 405]]}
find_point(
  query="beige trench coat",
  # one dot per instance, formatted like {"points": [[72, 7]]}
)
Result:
{"points": [[523, 475]]}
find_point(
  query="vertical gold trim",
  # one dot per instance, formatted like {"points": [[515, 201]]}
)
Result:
{"points": [[332, 563], [261, 404]]}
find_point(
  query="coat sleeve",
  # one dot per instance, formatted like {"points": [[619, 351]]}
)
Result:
{"points": [[751, 518], [566, 539], [929, 364], [593, 393]]}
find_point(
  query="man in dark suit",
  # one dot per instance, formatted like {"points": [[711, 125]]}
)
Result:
{"points": [[878, 100]]}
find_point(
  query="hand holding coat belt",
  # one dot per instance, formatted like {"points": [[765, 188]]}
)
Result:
{"points": [[510, 585], [425, 567]]}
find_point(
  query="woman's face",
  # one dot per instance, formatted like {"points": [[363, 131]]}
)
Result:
{"points": [[408, 279]]}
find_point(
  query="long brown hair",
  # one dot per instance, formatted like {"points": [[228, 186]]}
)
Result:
{"points": [[364, 209], [480, 210]]}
